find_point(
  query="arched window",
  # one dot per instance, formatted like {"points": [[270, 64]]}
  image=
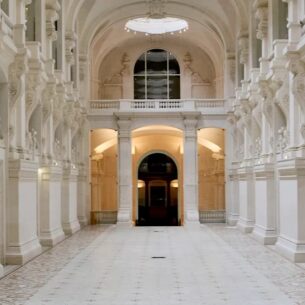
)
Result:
{"points": [[157, 76]]}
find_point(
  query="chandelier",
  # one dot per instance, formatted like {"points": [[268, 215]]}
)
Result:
{"points": [[156, 22]]}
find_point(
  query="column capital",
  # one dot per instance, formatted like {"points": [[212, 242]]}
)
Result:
{"points": [[190, 125], [124, 127]]}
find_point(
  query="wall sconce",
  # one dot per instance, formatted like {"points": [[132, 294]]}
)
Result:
{"points": [[175, 183], [141, 184]]}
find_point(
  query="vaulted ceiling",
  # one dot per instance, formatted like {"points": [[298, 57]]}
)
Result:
{"points": [[214, 24]]}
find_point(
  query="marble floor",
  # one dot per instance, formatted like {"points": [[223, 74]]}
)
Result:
{"points": [[193, 265]]}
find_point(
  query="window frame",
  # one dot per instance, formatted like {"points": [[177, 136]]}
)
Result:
{"points": [[146, 75]]}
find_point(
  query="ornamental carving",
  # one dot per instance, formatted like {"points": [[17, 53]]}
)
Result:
{"points": [[58, 104], [69, 115], [261, 14], [297, 68], [32, 143], [246, 113], [52, 8], [16, 70], [267, 95], [33, 81], [125, 62], [282, 140], [243, 45], [49, 95], [70, 44], [187, 60], [258, 147], [281, 84]]}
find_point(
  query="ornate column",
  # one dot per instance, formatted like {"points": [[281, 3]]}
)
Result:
{"points": [[69, 46], [81, 153], [124, 169], [261, 14], [190, 168], [245, 172], [3, 173], [70, 221], [294, 25], [52, 8], [17, 104], [291, 240], [126, 79], [51, 231], [84, 79], [246, 199], [232, 186], [243, 45], [230, 66], [22, 239], [22, 235], [296, 102]]}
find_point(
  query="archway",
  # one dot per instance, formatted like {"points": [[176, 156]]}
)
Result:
{"points": [[157, 191]]}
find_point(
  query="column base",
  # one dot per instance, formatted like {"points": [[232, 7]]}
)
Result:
{"points": [[245, 226], [124, 216], [291, 250], [19, 255], [191, 216], [50, 239], [264, 235], [71, 227], [232, 220], [83, 221]]}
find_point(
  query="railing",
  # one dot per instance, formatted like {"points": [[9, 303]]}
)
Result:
{"points": [[217, 216], [6, 26], [209, 106]]}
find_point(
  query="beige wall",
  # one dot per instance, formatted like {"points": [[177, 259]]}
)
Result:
{"points": [[211, 172], [146, 141], [199, 67], [103, 172]]}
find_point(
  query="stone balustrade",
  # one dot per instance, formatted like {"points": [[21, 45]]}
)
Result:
{"points": [[205, 106]]}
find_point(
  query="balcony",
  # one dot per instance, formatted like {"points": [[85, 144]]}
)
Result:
{"points": [[204, 106]]}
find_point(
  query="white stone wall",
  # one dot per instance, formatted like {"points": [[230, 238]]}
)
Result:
{"points": [[267, 122]]}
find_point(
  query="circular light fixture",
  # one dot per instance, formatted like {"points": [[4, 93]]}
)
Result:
{"points": [[157, 26]]}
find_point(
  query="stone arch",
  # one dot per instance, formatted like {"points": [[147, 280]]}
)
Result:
{"points": [[168, 212]]}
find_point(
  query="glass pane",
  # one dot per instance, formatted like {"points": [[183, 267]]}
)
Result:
{"points": [[174, 87], [157, 87], [140, 66], [139, 87], [173, 65], [156, 62]]}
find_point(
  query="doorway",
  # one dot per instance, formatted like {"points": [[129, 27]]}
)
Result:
{"points": [[158, 191]]}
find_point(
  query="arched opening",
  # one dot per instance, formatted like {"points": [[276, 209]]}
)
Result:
{"points": [[157, 76], [157, 191]]}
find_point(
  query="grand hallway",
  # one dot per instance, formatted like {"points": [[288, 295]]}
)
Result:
{"points": [[106, 265]]}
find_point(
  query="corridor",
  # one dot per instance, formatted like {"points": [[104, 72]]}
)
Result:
{"points": [[119, 265]]}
